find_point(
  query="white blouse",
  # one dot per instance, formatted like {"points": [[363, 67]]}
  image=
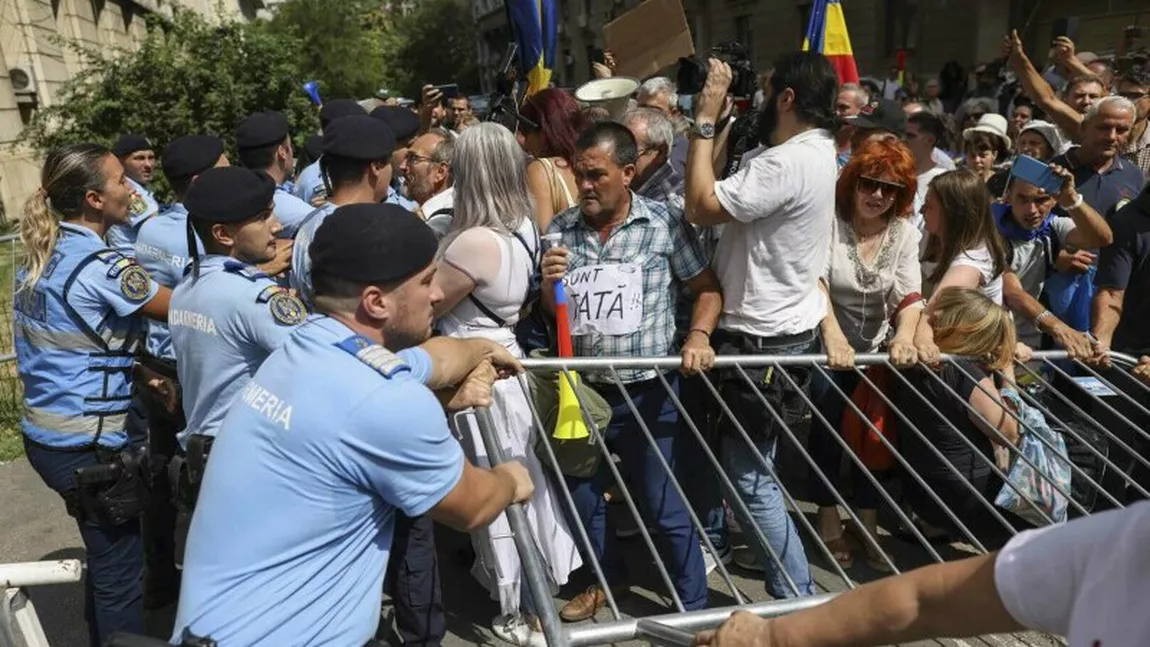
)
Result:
{"points": [[866, 296]]}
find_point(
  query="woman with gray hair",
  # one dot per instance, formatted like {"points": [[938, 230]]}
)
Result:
{"points": [[488, 258]]}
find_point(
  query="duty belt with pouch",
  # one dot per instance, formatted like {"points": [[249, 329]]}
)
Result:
{"points": [[187, 471], [114, 492]]}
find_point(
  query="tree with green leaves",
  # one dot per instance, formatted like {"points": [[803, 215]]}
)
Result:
{"points": [[434, 43], [191, 77], [338, 47]]}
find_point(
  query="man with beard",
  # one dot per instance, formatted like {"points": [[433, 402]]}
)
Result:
{"points": [[778, 209], [426, 169], [333, 441]]}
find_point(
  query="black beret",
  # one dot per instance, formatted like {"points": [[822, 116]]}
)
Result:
{"points": [[191, 154], [403, 122], [314, 146], [130, 143], [359, 138], [262, 129], [372, 243], [229, 194], [337, 109]]}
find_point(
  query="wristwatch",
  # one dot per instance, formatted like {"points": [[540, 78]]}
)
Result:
{"points": [[705, 129]]}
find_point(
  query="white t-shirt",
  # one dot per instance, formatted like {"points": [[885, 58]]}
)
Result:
{"points": [[1088, 580], [770, 258], [979, 258], [1029, 263]]}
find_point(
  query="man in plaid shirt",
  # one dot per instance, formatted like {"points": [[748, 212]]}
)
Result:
{"points": [[623, 259]]}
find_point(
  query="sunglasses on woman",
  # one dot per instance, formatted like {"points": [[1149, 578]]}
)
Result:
{"points": [[869, 185]]}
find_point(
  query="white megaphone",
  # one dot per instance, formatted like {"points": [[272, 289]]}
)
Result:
{"points": [[612, 93]]}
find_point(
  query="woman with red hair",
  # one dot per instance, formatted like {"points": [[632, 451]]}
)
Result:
{"points": [[551, 123], [872, 281]]}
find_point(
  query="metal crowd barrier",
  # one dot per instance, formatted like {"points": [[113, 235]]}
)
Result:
{"points": [[1047, 375], [19, 624]]}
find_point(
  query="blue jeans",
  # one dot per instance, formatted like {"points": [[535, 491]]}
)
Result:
{"points": [[753, 483], [113, 596], [677, 542]]}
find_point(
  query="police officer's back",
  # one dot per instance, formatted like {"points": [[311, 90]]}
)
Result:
{"points": [[357, 166], [227, 315], [332, 437], [309, 186]]}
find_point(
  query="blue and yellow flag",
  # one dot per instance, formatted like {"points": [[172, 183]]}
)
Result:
{"points": [[827, 34], [536, 28]]}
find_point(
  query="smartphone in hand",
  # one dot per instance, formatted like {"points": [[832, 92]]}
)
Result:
{"points": [[1028, 169]]}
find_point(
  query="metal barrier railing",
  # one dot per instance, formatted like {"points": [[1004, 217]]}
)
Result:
{"points": [[1046, 384]]}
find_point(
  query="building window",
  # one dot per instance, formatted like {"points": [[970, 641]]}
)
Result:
{"points": [[745, 35], [902, 27], [97, 9]]}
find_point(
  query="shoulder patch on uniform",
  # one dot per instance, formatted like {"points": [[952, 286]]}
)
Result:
{"points": [[138, 206], [135, 282], [119, 266], [286, 308], [385, 362], [109, 255], [52, 264]]}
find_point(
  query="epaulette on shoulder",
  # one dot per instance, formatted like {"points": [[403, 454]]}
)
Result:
{"points": [[385, 362], [249, 272]]}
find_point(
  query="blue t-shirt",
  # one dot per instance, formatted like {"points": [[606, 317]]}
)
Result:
{"points": [[224, 324], [289, 211], [122, 237], [294, 522], [162, 249], [1108, 191]]}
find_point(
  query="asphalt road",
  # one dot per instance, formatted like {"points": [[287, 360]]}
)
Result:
{"points": [[34, 526]]}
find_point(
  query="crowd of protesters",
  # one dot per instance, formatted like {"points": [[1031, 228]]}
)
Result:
{"points": [[829, 219]]}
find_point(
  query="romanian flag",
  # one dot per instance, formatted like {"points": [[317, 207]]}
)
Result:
{"points": [[827, 34], [536, 29]]}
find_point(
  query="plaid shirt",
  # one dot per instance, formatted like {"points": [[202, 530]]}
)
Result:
{"points": [[659, 239], [1138, 152]]}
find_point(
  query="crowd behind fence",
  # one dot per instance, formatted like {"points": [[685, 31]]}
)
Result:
{"points": [[1097, 443]]}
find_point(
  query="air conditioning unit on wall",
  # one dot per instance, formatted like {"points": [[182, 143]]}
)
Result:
{"points": [[23, 83]]}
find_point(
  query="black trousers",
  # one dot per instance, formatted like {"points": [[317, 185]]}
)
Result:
{"points": [[413, 582], [158, 524]]}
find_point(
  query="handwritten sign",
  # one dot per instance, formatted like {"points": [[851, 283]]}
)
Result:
{"points": [[649, 38], [606, 299]]}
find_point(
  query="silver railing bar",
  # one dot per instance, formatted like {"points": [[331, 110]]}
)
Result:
{"points": [[729, 490], [1108, 407], [730, 361], [532, 570], [601, 441], [568, 499], [698, 525], [623, 630], [1034, 402], [1002, 474], [767, 465], [1121, 393], [663, 634]]}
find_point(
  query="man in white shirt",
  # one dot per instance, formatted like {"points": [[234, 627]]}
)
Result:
{"points": [[778, 210], [426, 169], [1087, 580], [924, 130]]}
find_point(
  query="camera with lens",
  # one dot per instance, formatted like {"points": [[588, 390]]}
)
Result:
{"points": [[692, 74]]}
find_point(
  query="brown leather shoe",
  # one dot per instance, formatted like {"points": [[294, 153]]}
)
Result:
{"points": [[587, 603]]}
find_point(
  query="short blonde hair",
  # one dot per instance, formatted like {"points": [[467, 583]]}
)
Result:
{"points": [[968, 324]]}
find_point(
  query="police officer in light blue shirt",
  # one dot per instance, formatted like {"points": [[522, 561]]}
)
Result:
{"points": [[404, 124], [309, 186], [264, 145], [77, 327], [138, 158], [334, 436], [357, 162], [227, 315]]}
